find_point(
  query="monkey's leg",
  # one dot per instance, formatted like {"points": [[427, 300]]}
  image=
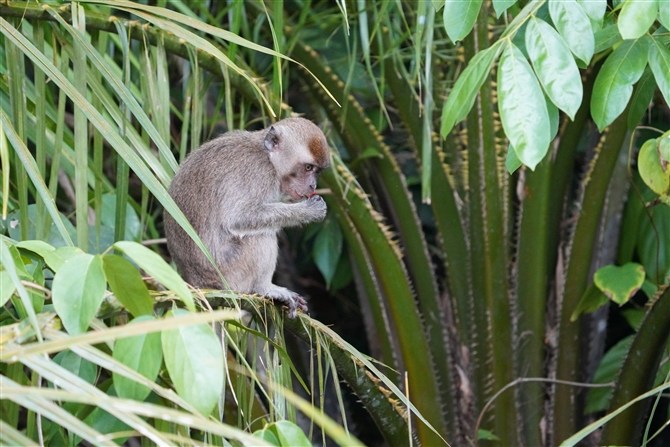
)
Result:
{"points": [[286, 297]]}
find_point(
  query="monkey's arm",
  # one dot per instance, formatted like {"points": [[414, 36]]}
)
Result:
{"points": [[271, 217]]}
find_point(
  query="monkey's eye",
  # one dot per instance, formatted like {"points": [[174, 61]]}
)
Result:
{"points": [[309, 167]]}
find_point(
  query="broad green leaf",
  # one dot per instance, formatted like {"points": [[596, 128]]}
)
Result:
{"points": [[642, 96], [664, 13], [289, 434], [607, 37], [592, 299], [636, 17], [155, 266], [598, 399], [664, 151], [57, 258], [523, 109], [501, 6], [652, 235], [659, 61], [6, 287], [127, 285], [463, 95], [614, 83], [268, 436], [595, 10], [39, 247], [555, 67], [512, 162], [619, 283], [194, 358], [459, 17], [77, 365], [574, 26], [78, 289], [651, 170], [141, 353], [328, 249]]}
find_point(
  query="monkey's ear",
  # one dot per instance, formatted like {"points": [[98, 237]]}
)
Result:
{"points": [[272, 140]]}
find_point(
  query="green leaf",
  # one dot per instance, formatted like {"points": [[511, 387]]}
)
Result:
{"points": [[266, 435], [78, 289], [614, 83], [155, 266], [77, 365], [642, 96], [607, 37], [127, 285], [595, 10], [501, 6], [651, 170], [659, 61], [555, 67], [40, 247], [512, 162], [194, 358], [598, 399], [487, 435], [592, 299], [289, 434], [636, 17], [459, 17], [664, 151], [664, 14], [523, 109], [574, 26], [328, 249], [57, 258], [619, 283], [141, 353], [6, 287], [653, 235], [463, 95]]}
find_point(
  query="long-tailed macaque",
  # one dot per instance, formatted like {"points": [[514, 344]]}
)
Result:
{"points": [[238, 191]]}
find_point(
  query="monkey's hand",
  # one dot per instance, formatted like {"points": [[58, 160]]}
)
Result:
{"points": [[288, 298], [316, 207]]}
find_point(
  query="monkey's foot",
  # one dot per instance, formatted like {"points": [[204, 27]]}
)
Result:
{"points": [[290, 299]]}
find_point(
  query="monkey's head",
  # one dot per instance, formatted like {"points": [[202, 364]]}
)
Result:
{"points": [[299, 152]]}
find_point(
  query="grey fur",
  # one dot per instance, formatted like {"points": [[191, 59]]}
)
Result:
{"points": [[237, 201]]}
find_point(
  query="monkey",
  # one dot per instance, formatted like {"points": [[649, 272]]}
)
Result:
{"points": [[238, 191]]}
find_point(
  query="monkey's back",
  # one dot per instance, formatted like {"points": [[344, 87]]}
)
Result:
{"points": [[224, 180]]}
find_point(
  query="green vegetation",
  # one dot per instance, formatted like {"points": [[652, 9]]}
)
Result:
{"points": [[498, 228]]}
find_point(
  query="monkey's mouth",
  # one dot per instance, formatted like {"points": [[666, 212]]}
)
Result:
{"points": [[295, 197]]}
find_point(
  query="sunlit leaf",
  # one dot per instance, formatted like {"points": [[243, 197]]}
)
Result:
{"points": [[636, 17], [78, 289], [523, 110], [194, 358], [664, 14], [659, 61], [141, 353], [595, 10], [76, 365], [651, 170], [574, 26], [6, 287], [155, 266], [619, 283], [127, 285], [512, 162], [501, 6], [459, 17], [614, 83], [463, 95], [555, 67], [289, 434]]}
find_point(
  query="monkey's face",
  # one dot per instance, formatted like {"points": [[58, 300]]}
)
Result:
{"points": [[299, 152], [300, 183]]}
